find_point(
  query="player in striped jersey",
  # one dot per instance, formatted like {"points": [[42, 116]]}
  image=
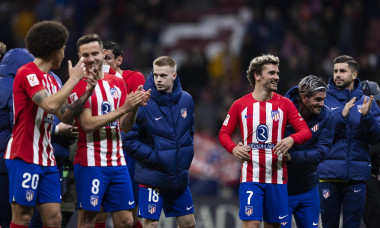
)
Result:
{"points": [[262, 117], [34, 177], [113, 57], [100, 169]]}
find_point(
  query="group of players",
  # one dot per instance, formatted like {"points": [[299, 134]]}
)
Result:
{"points": [[301, 154], [110, 110]]}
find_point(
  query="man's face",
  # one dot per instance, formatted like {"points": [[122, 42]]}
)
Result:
{"points": [[111, 60], [164, 77], [269, 77], [58, 57], [314, 103], [92, 54], [344, 76]]}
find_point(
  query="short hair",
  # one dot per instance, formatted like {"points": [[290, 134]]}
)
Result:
{"points": [[88, 39], [256, 66], [349, 60], [165, 61], [116, 49], [45, 37], [310, 85], [3, 48]]}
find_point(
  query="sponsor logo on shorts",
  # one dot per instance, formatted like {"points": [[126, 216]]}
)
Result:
{"points": [[357, 190], [188, 208], [315, 224], [326, 193], [29, 195], [281, 217], [131, 202], [94, 200], [152, 208], [248, 210]]}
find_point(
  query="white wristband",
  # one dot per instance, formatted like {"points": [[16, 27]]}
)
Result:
{"points": [[56, 130]]}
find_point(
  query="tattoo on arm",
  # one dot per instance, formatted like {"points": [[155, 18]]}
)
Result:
{"points": [[40, 96], [75, 108]]}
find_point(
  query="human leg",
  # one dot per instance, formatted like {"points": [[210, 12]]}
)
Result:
{"points": [[86, 219], [353, 204], [307, 212], [122, 218], [5, 207], [50, 214], [186, 221], [371, 214], [330, 203]]}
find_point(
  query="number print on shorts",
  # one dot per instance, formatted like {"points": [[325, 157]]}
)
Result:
{"points": [[95, 186], [28, 177], [249, 197], [153, 195]]}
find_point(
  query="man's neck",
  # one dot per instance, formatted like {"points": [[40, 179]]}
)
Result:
{"points": [[262, 95], [43, 65], [120, 71]]}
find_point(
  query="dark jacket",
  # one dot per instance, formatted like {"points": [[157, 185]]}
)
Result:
{"points": [[302, 168], [161, 140], [349, 157], [9, 65]]}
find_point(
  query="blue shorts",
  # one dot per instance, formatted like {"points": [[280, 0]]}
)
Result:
{"points": [[131, 163], [109, 187], [174, 203], [31, 184], [305, 208], [263, 201]]}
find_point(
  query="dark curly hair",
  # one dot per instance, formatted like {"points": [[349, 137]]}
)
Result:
{"points": [[114, 47], [45, 37]]}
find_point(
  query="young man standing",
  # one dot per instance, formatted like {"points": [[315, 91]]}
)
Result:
{"points": [[113, 57], [262, 117], [303, 197], [161, 141], [34, 177], [347, 166], [100, 169]]}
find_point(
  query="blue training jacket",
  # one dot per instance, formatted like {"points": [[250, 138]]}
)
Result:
{"points": [[161, 140], [9, 65], [302, 168], [349, 159]]}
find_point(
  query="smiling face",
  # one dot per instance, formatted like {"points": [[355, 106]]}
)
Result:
{"points": [[269, 77], [314, 104], [164, 77], [344, 76], [93, 55]]}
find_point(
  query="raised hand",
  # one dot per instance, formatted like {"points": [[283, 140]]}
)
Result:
{"points": [[366, 105], [78, 71], [348, 107]]}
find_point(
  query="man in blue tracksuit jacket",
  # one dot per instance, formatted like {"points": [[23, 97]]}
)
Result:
{"points": [[161, 142], [12, 60], [347, 166], [303, 179]]}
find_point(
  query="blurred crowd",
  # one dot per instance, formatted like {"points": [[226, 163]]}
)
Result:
{"points": [[306, 35]]}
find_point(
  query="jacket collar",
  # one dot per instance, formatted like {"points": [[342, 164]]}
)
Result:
{"points": [[344, 94], [164, 98]]}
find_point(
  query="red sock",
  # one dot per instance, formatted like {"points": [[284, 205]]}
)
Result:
{"points": [[17, 226], [100, 225], [137, 225]]}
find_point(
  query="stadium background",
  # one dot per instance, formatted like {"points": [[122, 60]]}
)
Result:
{"points": [[213, 42]]}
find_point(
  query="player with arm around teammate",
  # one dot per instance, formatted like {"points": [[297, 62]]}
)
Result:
{"points": [[262, 117], [303, 198]]}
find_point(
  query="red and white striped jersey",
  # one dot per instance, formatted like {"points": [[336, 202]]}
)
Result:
{"points": [[262, 124], [132, 79], [31, 135], [102, 147]]}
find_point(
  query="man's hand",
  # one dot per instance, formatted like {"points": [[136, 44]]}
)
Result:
{"points": [[67, 130], [348, 107], [366, 105], [136, 99], [241, 152], [91, 78], [283, 146], [78, 71]]}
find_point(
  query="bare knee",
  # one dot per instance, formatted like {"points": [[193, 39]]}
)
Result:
{"points": [[54, 220], [125, 222], [188, 224]]}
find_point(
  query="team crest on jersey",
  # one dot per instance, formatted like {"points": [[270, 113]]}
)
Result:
{"points": [[248, 210], [359, 108], [315, 128], [29, 195], [73, 97], [33, 80], [326, 193], [183, 112], [94, 200], [262, 133], [225, 123], [152, 208], [114, 93], [106, 107], [275, 115]]}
